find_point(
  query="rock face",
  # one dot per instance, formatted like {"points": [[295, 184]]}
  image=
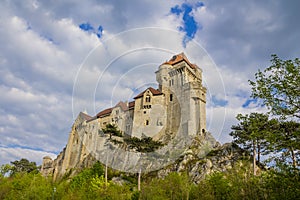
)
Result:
{"points": [[75, 155], [219, 159], [200, 157], [86, 145]]}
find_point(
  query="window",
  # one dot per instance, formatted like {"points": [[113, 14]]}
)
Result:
{"points": [[117, 111], [145, 112], [147, 122], [147, 106], [148, 98], [171, 97]]}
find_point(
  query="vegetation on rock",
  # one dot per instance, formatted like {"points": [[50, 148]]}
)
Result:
{"points": [[112, 129], [146, 144]]}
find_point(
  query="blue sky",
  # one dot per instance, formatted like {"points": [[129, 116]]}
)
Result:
{"points": [[189, 24], [57, 59]]}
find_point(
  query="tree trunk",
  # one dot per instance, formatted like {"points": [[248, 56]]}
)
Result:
{"points": [[258, 152], [139, 181], [293, 157], [106, 172], [254, 157], [106, 175]]}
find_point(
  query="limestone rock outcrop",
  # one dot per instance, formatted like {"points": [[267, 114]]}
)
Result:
{"points": [[174, 114], [202, 156], [221, 158]]}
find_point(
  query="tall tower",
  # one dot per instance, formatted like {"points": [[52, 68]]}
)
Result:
{"points": [[185, 96]]}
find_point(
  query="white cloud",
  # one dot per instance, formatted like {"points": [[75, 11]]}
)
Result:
{"points": [[9, 154], [43, 50]]}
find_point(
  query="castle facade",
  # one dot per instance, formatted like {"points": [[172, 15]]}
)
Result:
{"points": [[176, 106]]}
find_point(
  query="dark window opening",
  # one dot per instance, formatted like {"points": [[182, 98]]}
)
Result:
{"points": [[147, 106], [148, 98], [171, 97]]}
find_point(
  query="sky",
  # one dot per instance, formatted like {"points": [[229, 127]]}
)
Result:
{"points": [[58, 58]]}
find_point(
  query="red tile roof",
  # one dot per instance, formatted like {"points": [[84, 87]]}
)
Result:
{"points": [[93, 118], [122, 105], [104, 113], [108, 111], [85, 116], [178, 58], [152, 90], [131, 104]]}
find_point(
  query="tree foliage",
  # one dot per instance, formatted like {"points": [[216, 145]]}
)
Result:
{"points": [[5, 170], [174, 186], [112, 129], [146, 144], [278, 87], [23, 166], [235, 183], [252, 134], [284, 142]]}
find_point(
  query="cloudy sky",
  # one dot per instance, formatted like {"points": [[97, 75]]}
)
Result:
{"points": [[58, 58]]}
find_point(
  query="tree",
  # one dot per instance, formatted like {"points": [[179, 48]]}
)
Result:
{"points": [[284, 140], [146, 144], [112, 129], [173, 186], [278, 87], [251, 133], [5, 170], [23, 166]]}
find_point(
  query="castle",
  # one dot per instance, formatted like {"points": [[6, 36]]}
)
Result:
{"points": [[176, 107], [179, 99]]}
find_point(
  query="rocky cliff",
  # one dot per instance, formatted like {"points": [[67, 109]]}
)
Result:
{"points": [[198, 155]]}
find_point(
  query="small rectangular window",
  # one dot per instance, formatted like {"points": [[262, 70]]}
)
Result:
{"points": [[171, 97], [148, 98]]}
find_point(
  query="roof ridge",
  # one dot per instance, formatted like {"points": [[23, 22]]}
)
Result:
{"points": [[152, 90], [178, 58]]}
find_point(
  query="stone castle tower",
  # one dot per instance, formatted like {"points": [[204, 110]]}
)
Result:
{"points": [[185, 97], [176, 107]]}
